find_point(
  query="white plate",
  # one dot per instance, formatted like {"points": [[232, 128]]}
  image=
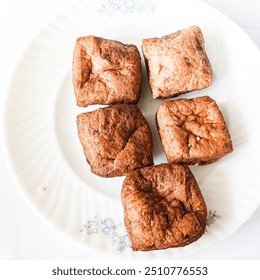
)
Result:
{"points": [[42, 146]]}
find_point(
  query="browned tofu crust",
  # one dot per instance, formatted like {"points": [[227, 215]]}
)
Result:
{"points": [[193, 131], [115, 139], [163, 207], [106, 72], [177, 63]]}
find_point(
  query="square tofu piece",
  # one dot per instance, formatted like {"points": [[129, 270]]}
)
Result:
{"points": [[106, 72], [163, 207], [193, 131], [177, 63], [115, 140]]}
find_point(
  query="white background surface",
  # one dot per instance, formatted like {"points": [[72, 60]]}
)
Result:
{"points": [[22, 234]]}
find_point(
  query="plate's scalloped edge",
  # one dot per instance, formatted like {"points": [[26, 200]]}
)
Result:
{"points": [[116, 233]]}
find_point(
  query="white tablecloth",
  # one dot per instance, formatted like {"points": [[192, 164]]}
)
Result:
{"points": [[22, 234]]}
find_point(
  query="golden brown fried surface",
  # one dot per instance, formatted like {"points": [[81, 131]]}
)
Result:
{"points": [[193, 131], [163, 207], [115, 139], [106, 72], [177, 63]]}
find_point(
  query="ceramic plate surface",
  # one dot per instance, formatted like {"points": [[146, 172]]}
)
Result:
{"points": [[42, 146]]}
